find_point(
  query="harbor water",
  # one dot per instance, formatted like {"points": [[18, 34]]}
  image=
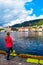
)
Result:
{"points": [[25, 42]]}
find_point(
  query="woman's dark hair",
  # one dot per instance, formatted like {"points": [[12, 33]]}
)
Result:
{"points": [[8, 33]]}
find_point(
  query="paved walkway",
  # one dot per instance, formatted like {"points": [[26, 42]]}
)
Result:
{"points": [[14, 61]]}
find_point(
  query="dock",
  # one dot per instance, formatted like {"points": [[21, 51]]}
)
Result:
{"points": [[14, 61]]}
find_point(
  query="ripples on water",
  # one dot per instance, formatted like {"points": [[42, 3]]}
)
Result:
{"points": [[25, 42]]}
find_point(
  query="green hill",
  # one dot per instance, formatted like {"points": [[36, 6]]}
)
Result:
{"points": [[37, 22]]}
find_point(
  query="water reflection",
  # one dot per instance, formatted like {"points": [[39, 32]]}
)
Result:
{"points": [[40, 33], [25, 42]]}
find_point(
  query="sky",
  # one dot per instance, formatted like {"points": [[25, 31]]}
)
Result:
{"points": [[17, 11]]}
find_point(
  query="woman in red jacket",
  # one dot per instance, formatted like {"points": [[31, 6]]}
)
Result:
{"points": [[9, 43]]}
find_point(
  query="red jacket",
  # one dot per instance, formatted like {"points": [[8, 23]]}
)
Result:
{"points": [[8, 41]]}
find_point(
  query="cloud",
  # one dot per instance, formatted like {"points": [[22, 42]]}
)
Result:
{"points": [[40, 17], [21, 17], [34, 17], [14, 2], [13, 12], [13, 22], [28, 18], [25, 13], [13, 7]]}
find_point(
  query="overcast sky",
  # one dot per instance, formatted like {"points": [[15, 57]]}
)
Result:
{"points": [[18, 11]]}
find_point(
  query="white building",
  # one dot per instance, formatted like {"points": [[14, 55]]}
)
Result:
{"points": [[8, 29]]}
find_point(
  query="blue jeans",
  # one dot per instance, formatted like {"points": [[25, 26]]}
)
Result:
{"points": [[8, 52]]}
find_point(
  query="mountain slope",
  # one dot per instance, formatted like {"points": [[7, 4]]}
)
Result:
{"points": [[30, 23]]}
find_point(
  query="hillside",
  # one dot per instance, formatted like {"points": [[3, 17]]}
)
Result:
{"points": [[37, 22]]}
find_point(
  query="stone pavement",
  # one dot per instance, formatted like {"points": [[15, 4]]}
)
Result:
{"points": [[14, 61]]}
